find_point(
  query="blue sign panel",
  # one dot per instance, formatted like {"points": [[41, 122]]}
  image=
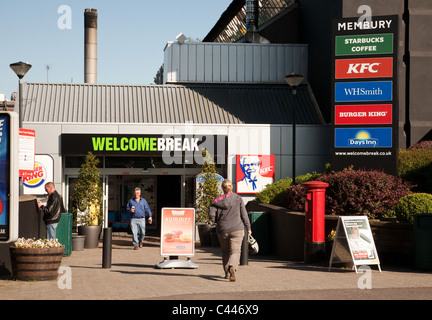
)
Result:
{"points": [[363, 91], [4, 176], [363, 137]]}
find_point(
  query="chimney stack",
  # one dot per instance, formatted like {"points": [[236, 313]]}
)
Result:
{"points": [[90, 46]]}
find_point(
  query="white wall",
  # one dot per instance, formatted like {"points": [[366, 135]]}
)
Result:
{"points": [[208, 62]]}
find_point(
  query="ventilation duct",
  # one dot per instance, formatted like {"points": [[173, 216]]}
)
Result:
{"points": [[252, 33]]}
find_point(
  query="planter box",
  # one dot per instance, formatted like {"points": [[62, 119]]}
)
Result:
{"points": [[394, 241], [92, 235], [35, 264], [78, 242], [204, 234], [286, 230]]}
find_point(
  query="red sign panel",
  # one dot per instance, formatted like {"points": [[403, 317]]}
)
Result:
{"points": [[364, 114], [364, 68], [254, 172]]}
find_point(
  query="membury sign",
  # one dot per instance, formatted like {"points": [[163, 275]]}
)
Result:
{"points": [[364, 25]]}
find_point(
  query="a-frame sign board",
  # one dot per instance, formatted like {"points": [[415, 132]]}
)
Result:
{"points": [[354, 242]]}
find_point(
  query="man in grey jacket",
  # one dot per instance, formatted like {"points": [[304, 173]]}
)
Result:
{"points": [[230, 215]]}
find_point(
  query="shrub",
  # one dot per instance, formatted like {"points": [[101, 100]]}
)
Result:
{"points": [[295, 198], [355, 192], [413, 204], [274, 192], [421, 145], [307, 177], [207, 190], [415, 166]]}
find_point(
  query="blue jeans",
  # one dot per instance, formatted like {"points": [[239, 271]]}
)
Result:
{"points": [[51, 230], [137, 226]]}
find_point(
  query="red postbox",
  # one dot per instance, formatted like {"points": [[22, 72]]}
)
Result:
{"points": [[314, 249]]}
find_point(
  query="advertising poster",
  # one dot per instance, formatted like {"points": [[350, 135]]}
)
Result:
{"points": [[355, 235], [4, 175], [177, 230], [27, 145], [360, 240], [254, 172]]}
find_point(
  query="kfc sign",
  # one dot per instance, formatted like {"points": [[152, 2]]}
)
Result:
{"points": [[364, 68], [254, 172]]}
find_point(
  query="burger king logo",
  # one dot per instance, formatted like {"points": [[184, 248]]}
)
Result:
{"points": [[35, 178]]}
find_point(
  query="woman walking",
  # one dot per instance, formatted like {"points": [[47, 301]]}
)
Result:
{"points": [[230, 215]]}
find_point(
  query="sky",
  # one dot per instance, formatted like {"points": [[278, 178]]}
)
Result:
{"points": [[132, 35]]}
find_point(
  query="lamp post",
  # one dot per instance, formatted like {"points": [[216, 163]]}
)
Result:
{"points": [[20, 69], [294, 81]]}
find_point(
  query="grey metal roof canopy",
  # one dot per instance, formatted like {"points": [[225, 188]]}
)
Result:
{"points": [[197, 103]]}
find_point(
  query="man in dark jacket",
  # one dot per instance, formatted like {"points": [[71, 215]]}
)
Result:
{"points": [[52, 210]]}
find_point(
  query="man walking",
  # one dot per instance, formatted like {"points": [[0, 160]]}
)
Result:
{"points": [[138, 207]]}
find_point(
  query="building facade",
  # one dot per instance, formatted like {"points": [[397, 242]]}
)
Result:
{"points": [[310, 22], [152, 136]]}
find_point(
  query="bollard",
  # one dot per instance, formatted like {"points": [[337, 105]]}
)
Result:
{"points": [[244, 256], [107, 248], [314, 248]]}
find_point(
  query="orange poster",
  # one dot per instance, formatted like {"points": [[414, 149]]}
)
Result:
{"points": [[177, 232]]}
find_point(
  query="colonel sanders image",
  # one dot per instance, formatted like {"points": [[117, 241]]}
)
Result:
{"points": [[253, 181]]}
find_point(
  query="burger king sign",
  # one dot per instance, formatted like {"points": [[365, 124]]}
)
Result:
{"points": [[34, 181]]}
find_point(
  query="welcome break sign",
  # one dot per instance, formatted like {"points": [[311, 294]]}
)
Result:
{"points": [[364, 93]]}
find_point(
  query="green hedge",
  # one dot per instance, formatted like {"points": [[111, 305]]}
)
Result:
{"points": [[413, 204], [274, 193], [415, 166]]}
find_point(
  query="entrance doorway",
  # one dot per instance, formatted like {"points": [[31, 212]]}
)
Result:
{"points": [[159, 191], [121, 189], [168, 194]]}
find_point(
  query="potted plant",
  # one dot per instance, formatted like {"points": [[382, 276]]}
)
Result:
{"points": [[36, 260], [208, 188], [87, 197]]}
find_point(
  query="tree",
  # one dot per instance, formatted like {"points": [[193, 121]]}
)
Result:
{"points": [[87, 195], [207, 190], [158, 79]]}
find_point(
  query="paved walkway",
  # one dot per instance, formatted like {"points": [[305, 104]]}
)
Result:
{"points": [[133, 276]]}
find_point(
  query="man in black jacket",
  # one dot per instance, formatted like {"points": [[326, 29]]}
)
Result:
{"points": [[52, 210]]}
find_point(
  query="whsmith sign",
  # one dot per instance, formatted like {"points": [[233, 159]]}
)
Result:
{"points": [[166, 146], [364, 94]]}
